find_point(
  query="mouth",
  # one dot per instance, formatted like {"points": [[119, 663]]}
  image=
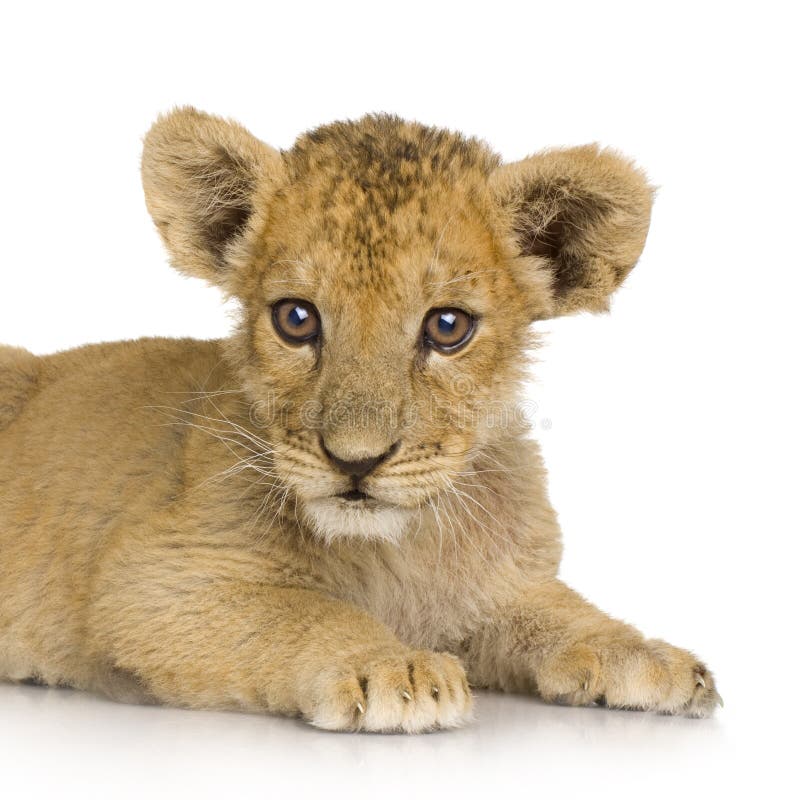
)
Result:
{"points": [[354, 495]]}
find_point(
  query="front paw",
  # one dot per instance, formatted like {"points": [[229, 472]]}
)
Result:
{"points": [[649, 675], [682, 684], [391, 690]]}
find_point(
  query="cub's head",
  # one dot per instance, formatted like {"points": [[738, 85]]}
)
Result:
{"points": [[388, 274]]}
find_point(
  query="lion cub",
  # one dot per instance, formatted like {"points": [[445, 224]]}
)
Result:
{"points": [[336, 513]]}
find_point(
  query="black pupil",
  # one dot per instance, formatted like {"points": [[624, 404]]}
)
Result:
{"points": [[447, 323], [297, 316]]}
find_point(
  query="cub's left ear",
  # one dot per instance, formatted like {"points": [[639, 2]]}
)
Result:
{"points": [[578, 220], [206, 180]]}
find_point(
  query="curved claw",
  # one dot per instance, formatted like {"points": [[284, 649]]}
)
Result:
{"points": [[699, 680]]}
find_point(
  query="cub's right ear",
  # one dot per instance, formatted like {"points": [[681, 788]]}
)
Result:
{"points": [[203, 177]]}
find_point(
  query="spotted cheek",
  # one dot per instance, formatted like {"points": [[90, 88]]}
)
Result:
{"points": [[440, 439], [276, 403], [299, 468], [410, 487], [425, 467]]}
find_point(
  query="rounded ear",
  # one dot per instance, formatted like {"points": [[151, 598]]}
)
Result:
{"points": [[578, 219], [203, 177]]}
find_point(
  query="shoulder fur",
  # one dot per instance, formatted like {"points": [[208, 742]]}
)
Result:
{"points": [[19, 377]]}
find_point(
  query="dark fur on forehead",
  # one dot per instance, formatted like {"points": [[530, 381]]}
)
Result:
{"points": [[569, 223], [364, 171], [381, 147]]}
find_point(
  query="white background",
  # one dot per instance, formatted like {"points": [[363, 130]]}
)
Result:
{"points": [[673, 432]]}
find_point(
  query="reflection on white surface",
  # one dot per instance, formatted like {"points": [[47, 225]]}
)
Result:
{"points": [[59, 742]]}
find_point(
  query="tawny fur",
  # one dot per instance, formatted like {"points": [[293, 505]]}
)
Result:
{"points": [[168, 525]]}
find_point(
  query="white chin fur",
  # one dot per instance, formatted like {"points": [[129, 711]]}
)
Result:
{"points": [[333, 518]]}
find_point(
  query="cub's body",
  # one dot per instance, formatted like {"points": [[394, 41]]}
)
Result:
{"points": [[337, 512]]}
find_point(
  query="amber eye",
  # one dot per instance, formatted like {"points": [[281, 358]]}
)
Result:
{"points": [[448, 329], [296, 321]]}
